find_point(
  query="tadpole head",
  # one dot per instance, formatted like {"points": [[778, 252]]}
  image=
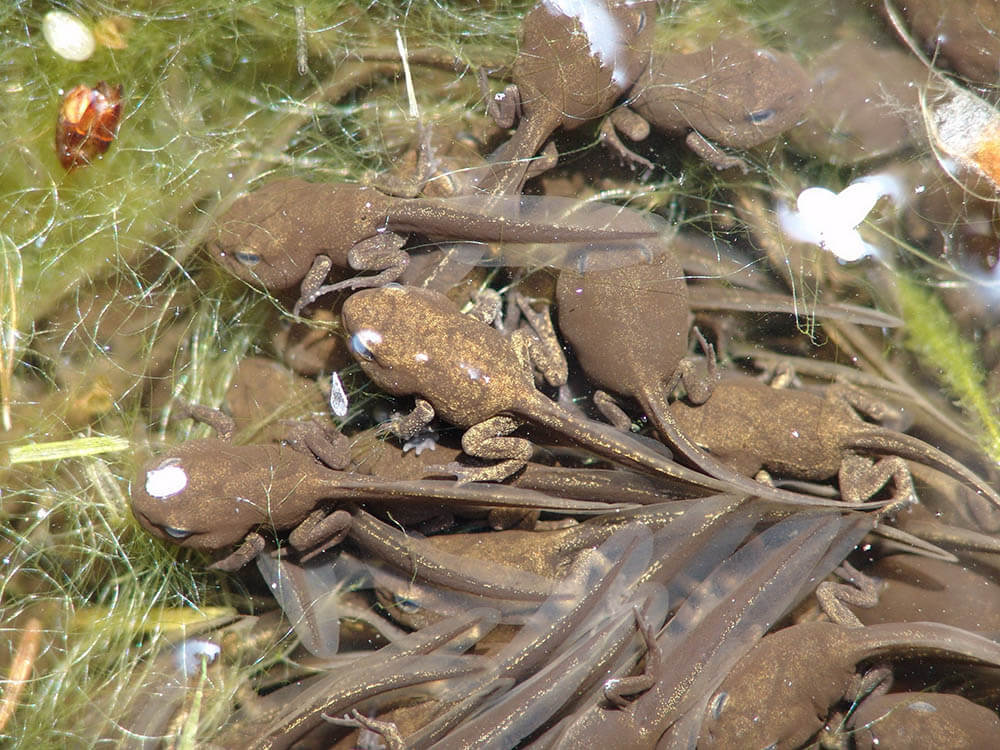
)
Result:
{"points": [[181, 499]]}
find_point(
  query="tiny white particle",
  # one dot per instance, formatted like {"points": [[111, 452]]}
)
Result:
{"points": [[165, 480], [189, 654], [338, 397], [301, 46], [795, 433], [426, 441], [421, 357], [474, 372], [68, 36]]}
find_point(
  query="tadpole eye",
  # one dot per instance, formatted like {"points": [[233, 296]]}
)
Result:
{"points": [[640, 22], [357, 347], [176, 533], [361, 342], [405, 604], [717, 704], [247, 258], [762, 115]]}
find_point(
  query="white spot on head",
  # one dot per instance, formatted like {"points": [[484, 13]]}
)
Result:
{"points": [[474, 373], [368, 337], [166, 480], [362, 342], [603, 32]]}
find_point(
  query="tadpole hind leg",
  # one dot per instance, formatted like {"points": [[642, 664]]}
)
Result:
{"points": [[489, 440], [860, 478], [860, 590]]}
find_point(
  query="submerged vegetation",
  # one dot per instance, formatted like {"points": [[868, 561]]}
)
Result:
{"points": [[110, 315]]}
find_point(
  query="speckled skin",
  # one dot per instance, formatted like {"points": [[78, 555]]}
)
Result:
{"points": [[233, 489], [727, 94], [730, 92], [628, 325], [902, 721], [781, 692]]}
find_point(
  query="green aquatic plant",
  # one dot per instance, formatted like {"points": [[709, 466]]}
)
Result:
{"points": [[932, 334]]}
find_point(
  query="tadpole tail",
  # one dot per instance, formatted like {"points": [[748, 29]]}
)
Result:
{"points": [[881, 440], [499, 219], [915, 639]]}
